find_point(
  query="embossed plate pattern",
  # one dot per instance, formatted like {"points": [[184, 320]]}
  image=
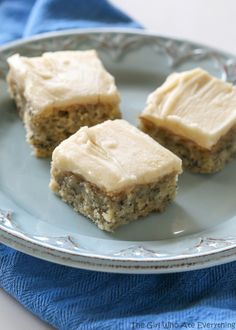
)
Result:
{"points": [[197, 230]]}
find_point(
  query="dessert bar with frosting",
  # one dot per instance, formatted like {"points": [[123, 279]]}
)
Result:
{"points": [[59, 92], [113, 173], [193, 114]]}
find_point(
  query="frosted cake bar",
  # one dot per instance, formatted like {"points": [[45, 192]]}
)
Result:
{"points": [[59, 92], [113, 173], [193, 114]]}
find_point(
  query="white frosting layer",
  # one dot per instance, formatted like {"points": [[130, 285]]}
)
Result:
{"points": [[194, 105], [114, 155], [63, 78]]}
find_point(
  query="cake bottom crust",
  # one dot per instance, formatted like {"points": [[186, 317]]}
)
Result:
{"points": [[111, 210], [195, 158]]}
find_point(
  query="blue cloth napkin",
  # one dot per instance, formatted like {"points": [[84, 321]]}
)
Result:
{"points": [[70, 298], [22, 18]]}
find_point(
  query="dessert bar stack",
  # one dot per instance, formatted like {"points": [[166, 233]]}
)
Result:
{"points": [[105, 168]]}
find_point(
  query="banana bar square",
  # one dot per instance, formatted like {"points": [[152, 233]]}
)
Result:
{"points": [[59, 92], [193, 114], [113, 173]]}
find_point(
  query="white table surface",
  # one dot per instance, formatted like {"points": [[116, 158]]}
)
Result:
{"points": [[208, 21]]}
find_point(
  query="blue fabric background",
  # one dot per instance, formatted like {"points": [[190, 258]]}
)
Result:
{"points": [[22, 18], [71, 299]]}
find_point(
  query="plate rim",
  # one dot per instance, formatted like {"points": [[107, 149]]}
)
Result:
{"points": [[107, 263], [75, 31]]}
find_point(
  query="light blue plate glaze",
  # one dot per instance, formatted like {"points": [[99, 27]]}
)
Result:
{"points": [[197, 230]]}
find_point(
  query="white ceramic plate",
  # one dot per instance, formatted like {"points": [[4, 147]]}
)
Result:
{"points": [[197, 230]]}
